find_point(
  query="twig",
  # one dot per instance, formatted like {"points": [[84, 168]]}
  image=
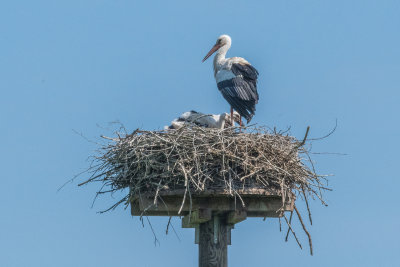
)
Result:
{"points": [[304, 139], [305, 230], [280, 225], [291, 229], [169, 222], [327, 135], [288, 231], [306, 200], [152, 230]]}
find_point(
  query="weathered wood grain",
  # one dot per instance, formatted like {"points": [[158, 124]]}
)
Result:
{"points": [[213, 245], [236, 216], [255, 206], [196, 217]]}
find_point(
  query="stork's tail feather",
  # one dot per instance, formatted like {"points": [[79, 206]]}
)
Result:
{"points": [[246, 109], [248, 119]]}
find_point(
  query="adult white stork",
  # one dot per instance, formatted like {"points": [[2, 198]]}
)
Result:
{"points": [[236, 79]]}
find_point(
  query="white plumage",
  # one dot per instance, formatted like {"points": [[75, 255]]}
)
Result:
{"points": [[219, 121], [223, 75], [236, 79]]}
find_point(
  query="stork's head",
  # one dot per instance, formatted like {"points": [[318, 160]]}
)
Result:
{"points": [[222, 41]]}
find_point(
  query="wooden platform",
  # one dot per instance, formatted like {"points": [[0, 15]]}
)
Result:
{"points": [[257, 203]]}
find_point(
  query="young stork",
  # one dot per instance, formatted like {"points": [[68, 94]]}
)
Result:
{"points": [[220, 121], [236, 79]]}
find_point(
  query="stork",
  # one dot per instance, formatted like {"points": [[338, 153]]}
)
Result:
{"points": [[220, 121], [236, 79]]}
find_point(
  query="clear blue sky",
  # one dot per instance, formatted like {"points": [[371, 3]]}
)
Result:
{"points": [[74, 65]]}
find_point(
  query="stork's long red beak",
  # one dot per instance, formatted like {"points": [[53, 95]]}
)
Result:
{"points": [[215, 48]]}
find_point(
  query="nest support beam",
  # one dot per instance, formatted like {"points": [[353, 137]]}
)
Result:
{"points": [[213, 234], [254, 206]]}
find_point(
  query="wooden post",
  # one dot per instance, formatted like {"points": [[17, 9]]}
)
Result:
{"points": [[213, 242]]}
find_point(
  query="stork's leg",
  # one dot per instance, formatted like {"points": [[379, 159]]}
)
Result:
{"points": [[232, 117], [240, 123]]}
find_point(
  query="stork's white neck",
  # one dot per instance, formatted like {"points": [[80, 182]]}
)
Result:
{"points": [[219, 58], [221, 53]]}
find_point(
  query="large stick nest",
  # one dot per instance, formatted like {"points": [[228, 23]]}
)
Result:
{"points": [[200, 159], [195, 160]]}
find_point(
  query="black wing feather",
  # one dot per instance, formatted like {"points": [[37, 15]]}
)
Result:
{"points": [[247, 71], [249, 74], [241, 91]]}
